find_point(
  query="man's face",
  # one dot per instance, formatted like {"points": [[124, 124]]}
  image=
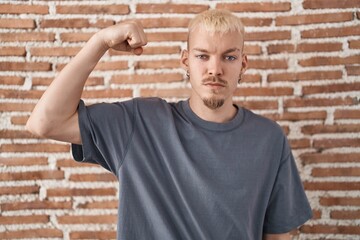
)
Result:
{"points": [[215, 62]]}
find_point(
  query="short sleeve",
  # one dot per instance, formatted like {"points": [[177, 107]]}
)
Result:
{"points": [[105, 130], [288, 206]]}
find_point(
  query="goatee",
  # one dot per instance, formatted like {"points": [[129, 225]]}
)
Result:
{"points": [[213, 103]]}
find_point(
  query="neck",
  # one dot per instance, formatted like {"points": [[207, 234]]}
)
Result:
{"points": [[220, 115]]}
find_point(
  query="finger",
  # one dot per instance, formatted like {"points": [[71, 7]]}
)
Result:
{"points": [[137, 39], [138, 51]]}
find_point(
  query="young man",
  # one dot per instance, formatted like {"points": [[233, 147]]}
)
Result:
{"points": [[203, 168]]}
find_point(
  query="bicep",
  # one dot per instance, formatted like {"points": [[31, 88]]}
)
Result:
{"points": [[282, 236]]}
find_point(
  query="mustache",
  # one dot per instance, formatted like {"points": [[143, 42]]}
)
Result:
{"points": [[214, 79]]}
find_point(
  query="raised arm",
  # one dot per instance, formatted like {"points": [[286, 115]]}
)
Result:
{"points": [[55, 115]]}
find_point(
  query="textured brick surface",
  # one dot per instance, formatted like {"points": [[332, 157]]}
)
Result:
{"points": [[304, 73]]}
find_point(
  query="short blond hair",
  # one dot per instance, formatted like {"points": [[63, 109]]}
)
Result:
{"points": [[217, 20]]}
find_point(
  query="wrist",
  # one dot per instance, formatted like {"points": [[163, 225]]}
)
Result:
{"points": [[99, 40]]}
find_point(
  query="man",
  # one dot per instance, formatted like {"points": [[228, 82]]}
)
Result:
{"points": [[203, 168]]}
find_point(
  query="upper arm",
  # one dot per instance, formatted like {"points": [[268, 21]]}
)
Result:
{"points": [[65, 131], [282, 236]]}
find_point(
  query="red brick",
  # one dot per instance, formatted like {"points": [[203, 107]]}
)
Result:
{"points": [[27, 37], [17, 23], [21, 9], [316, 129], [93, 177], [88, 219], [19, 190], [158, 64], [99, 205], [334, 143], [76, 192], [332, 186], [12, 80], [12, 51], [147, 78], [251, 78], [252, 50], [318, 102], [335, 172], [166, 36], [170, 8], [354, 44], [7, 220], [339, 201], [75, 37], [44, 204], [297, 116], [166, 93], [304, 47], [34, 175], [104, 234], [257, 22], [256, 7], [343, 87], [304, 76], [347, 114], [313, 158], [25, 66], [314, 18], [65, 23], [267, 64], [331, 32], [4, 93], [353, 70], [268, 36], [54, 51], [323, 61], [32, 233], [23, 161], [17, 107], [32, 147], [262, 91], [315, 4], [109, 93], [299, 143], [345, 214], [19, 120], [119, 9], [257, 105], [15, 133], [165, 22], [116, 65]]}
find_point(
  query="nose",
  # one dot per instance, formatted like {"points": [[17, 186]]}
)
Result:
{"points": [[215, 67]]}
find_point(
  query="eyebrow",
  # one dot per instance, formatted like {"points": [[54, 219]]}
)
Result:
{"points": [[225, 52]]}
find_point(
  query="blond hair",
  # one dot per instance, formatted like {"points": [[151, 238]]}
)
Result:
{"points": [[217, 20]]}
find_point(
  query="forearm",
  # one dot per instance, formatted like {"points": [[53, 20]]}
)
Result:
{"points": [[60, 100]]}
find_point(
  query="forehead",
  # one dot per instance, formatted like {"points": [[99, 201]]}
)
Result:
{"points": [[214, 41]]}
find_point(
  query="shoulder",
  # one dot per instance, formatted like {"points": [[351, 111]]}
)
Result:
{"points": [[261, 124]]}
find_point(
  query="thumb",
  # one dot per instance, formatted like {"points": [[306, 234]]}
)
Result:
{"points": [[138, 50]]}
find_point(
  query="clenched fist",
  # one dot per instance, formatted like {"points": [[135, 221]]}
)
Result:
{"points": [[126, 36]]}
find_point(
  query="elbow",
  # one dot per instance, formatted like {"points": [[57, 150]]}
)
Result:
{"points": [[37, 127]]}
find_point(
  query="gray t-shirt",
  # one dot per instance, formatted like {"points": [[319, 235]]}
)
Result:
{"points": [[182, 177]]}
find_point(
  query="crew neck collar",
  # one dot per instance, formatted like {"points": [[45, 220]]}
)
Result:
{"points": [[233, 123]]}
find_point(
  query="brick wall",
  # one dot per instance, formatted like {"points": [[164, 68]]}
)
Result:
{"points": [[304, 58]]}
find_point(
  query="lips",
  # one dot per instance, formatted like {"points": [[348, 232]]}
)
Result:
{"points": [[214, 82]]}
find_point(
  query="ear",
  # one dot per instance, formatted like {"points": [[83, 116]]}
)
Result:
{"points": [[244, 64], [185, 60]]}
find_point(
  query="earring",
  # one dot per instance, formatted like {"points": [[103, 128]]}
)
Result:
{"points": [[187, 74], [239, 80]]}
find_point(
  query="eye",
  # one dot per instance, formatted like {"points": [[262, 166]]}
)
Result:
{"points": [[230, 58], [202, 56]]}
